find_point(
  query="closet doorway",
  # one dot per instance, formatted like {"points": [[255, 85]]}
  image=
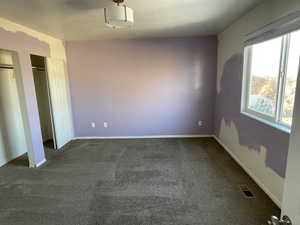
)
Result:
{"points": [[13, 142], [41, 83]]}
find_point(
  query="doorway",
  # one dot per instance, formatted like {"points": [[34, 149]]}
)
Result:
{"points": [[12, 132], [40, 76]]}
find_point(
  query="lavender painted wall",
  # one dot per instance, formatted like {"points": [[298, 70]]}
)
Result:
{"points": [[252, 133], [25, 45], [143, 87]]}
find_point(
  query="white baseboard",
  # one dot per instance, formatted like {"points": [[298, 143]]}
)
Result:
{"points": [[144, 137], [250, 173], [38, 164], [13, 157]]}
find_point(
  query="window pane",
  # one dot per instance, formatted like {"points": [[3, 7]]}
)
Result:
{"points": [[264, 71], [291, 79]]}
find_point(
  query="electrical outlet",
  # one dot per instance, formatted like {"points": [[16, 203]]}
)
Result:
{"points": [[93, 125], [105, 124], [200, 123]]}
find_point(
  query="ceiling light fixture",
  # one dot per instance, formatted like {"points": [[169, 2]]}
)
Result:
{"points": [[119, 15]]}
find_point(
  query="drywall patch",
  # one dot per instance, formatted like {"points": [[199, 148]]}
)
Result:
{"points": [[21, 42]]}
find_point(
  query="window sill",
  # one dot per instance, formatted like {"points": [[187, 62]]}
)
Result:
{"points": [[274, 125]]}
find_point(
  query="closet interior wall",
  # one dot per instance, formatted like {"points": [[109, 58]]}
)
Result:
{"points": [[12, 133], [42, 95]]}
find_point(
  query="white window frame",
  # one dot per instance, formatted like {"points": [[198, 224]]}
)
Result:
{"points": [[270, 120]]}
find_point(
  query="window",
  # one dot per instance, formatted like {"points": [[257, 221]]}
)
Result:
{"points": [[270, 76]]}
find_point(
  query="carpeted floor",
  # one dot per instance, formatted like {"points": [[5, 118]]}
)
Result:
{"points": [[132, 182]]}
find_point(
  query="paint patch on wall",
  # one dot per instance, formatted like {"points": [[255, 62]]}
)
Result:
{"points": [[252, 133]]}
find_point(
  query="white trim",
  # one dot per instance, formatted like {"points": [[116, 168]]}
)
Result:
{"points": [[24, 109], [50, 103], [144, 137], [272, 120], [61, 148], [38, 164], [249, 172], [267, 122]]}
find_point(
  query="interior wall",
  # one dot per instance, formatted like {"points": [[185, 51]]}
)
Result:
{"points": [[262, 149], [147, 87], [26, 41]]}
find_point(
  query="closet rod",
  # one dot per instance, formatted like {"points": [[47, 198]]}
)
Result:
{"points": [[6, 66], [38, 68]]}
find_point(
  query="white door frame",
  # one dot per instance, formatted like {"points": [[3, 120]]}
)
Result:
{"points": [[50, 103], [291, 193], [20, 86], [60, 101]]}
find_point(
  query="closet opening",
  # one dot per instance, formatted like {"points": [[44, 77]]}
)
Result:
{"points": [[13, 143], [41, 83]]}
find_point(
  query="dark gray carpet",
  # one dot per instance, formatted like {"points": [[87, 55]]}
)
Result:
{"points": [[132, 182]]}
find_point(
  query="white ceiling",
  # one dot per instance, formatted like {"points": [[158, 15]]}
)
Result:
{"points": [[84, 19]]}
